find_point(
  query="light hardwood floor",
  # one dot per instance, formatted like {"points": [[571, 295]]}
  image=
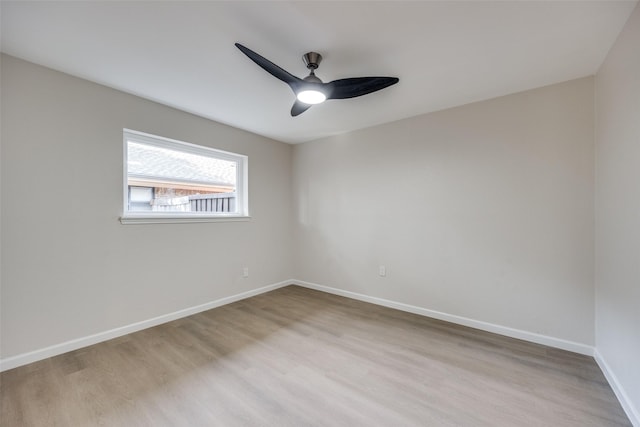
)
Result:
{"points": [[298, 357]]}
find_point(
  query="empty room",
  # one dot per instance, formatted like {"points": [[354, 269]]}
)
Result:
{"points": [[320, 213]]}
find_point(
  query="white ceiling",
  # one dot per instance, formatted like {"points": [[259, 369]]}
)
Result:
{"points": [[446, 53]]}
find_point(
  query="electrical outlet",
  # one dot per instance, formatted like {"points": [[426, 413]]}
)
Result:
{"points": [[382, 271], [245, 272]]}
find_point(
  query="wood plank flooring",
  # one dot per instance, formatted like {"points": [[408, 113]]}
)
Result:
{"points": [[298, 357]]}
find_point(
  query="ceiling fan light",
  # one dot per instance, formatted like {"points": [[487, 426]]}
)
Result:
{"points": [[311, 97]]}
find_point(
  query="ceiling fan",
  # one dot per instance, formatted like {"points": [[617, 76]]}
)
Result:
{"points": [[311, 90]]}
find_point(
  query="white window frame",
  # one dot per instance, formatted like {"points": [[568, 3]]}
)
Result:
{"points": [[242, 190]]}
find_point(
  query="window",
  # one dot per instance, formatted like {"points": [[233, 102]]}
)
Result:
{"points": [[173, 181]]}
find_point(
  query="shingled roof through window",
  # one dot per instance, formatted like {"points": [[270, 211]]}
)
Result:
{"points": [[164, 164]]}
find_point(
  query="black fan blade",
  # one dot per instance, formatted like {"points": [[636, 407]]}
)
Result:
{"points": [[270, 67], [357, 86], [299, 108]]}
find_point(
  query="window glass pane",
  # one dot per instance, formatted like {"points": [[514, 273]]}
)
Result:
{"points": [[180, 180]]}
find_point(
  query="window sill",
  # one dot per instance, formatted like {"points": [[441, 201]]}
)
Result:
{"points": [[179, 219]]}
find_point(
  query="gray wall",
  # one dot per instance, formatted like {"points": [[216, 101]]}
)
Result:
{"points": [[484, 211], [69, 268], [618, 211]]}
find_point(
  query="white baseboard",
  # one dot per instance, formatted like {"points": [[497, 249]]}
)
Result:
{"points": [[627, 404], [477, 324], [54, 350]]}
